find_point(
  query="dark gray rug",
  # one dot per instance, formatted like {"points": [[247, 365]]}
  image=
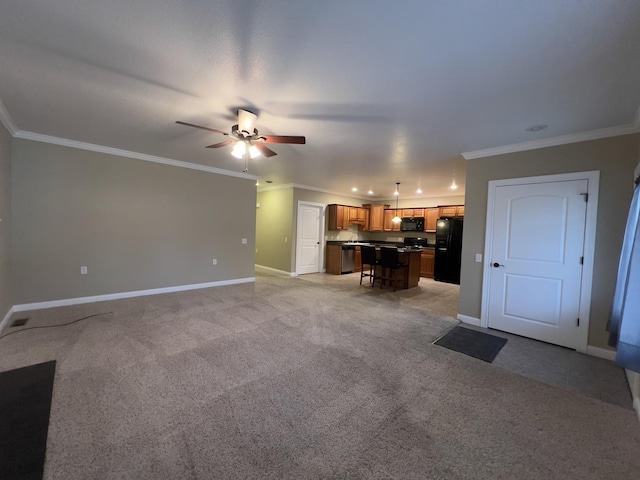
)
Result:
{"points": [[473, 343], [25, 402]]}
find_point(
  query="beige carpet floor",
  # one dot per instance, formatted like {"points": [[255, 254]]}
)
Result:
{"points": [[288, 378]]}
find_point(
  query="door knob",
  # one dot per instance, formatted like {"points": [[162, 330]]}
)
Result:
{"points": [[496, 264]]}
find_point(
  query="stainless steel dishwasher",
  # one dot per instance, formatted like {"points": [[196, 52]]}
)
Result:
{"points": [[348, 255]]}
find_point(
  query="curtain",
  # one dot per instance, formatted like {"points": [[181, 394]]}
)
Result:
{"points": [[624, 321]]}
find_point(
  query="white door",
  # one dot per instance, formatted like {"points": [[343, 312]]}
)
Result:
{"points": [[308, 238], [536, 260]]}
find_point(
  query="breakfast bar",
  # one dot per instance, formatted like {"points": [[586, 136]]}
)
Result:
{"points": [[407, 277]]}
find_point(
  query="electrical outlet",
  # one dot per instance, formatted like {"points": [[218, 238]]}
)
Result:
{"points": [[244, 241], [215, 261], [286, 239], [83, 270]]}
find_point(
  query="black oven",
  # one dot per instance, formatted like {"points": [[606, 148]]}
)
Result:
{"points": [[412, 224]]}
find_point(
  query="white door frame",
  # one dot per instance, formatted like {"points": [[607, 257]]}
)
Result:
{"points": [[320, 233], [593, 181]]}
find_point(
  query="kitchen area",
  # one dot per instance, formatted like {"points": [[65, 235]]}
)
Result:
{"points": [[428, 239]]}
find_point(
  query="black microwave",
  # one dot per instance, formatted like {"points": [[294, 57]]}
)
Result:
{"points": [[412, 224]]}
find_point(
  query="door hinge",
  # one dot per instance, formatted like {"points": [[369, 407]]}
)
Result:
{"points": [[586, 196], [581, 260], [578, 323]]}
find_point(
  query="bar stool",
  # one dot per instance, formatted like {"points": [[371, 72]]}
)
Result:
{"points": [[368, 255], [390, 262]]}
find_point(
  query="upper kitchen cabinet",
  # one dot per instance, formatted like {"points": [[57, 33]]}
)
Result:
{"points": [[341, 216], [412, 212], [452, 211], [430, 218], [390, 226], [376, 217], [338, 217], [358, 216]]}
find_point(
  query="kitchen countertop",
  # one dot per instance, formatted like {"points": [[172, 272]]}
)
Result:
{"points": [[372, 242]]}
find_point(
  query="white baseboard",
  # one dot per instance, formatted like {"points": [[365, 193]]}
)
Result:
{"points": [[6, 318], [601, 353], [468, 320], [275, 270], [116, 296]]}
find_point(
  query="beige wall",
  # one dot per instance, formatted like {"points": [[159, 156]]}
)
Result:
{"points": [[615, 158], [5, 223], [136, 225], [274, 229]]}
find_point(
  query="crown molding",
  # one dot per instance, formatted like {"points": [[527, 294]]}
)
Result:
{"points": [[330, 192], [561, 140], [128, 154], [6, 120], [367, 199], [267, 188]]}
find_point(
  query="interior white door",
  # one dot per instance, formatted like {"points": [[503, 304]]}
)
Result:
{"points": [[308, 238], [536, 260]]}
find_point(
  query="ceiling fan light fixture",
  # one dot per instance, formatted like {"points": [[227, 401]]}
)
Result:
{"points": [[254, 152], [238, 150]]}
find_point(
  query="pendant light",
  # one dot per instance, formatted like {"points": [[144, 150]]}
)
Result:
{"points": [[396, 219]]}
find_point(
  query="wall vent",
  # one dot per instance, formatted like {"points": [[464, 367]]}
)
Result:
{"points": [[18, 322]]}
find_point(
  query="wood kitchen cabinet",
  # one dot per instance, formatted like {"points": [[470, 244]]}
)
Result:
{"points": [[376, 217], [333, 259], [390, 226], [427, 262], [357, 215], [431, 216], [341, 216], [338, 217], [452, 211], [412, 212]]}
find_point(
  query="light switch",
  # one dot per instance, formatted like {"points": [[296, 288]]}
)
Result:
{"points": [[478, 257], [244, 241]]}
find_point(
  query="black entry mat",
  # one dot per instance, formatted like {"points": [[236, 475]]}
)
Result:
{"points": [[473, 343], [25, 402]]}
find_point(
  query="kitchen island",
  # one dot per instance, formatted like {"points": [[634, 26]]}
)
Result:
{"points": [[408, 277]]}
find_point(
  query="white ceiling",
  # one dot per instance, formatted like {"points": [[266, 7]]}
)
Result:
{"points": [[383, 90]]}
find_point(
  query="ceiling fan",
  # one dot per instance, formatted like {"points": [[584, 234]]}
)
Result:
{"points": [[247, 142]]}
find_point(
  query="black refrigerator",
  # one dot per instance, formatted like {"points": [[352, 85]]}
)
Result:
{"points": [[448, 249]]}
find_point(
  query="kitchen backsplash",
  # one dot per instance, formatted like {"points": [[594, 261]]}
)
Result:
{"points": [[354, 234]]}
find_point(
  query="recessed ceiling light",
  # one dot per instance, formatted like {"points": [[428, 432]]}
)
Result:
{"points": [[453, 186], [536, 128], [354, 189], [370, 192], [419, 190]]}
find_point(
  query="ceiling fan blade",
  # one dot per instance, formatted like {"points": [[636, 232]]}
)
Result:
{"points": [[201, 127], [284, 139], [267, 152], [221, 144]]}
